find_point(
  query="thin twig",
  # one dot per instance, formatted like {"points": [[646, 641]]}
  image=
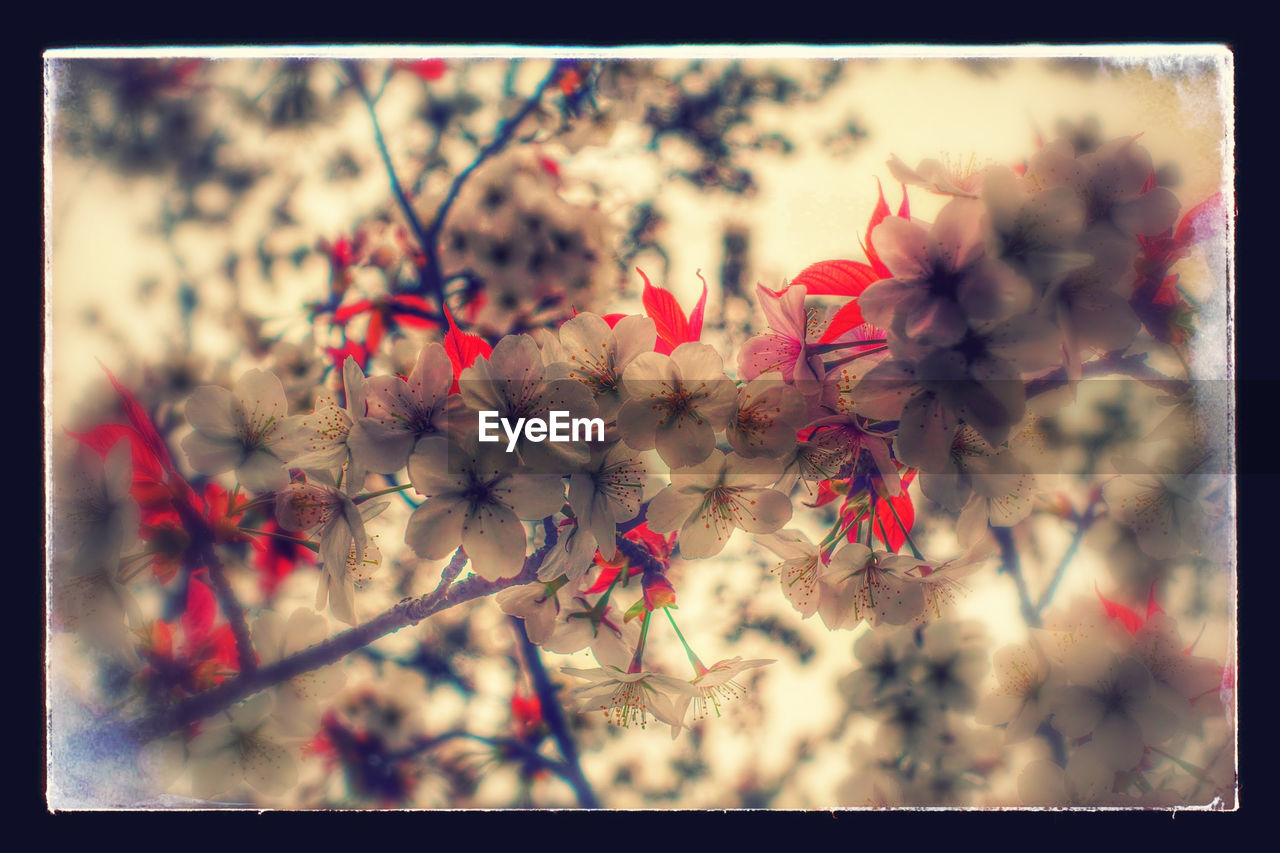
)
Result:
{"points": [[554, 716], [406, 207], [1086, 522], [202, 548], [407, 612], [1011, 564]]}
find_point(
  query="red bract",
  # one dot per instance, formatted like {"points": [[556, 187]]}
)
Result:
{"points": [[1156, 300], [835, 278], [205, 655], [156, 483], [275, 559], [674, 327], [888, 529], [426, 69], [463, 349], [387, 313], [1128, 618], [877, 216], [352, 349]]}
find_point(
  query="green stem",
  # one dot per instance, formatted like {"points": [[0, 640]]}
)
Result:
{"points": [[698, 668], [358, 499], [638, 657], [305, 543], [914, 550]]}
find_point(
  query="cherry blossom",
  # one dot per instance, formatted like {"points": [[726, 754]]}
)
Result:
{"points": [[708, 501], [784, 347], [475, 500], [514, 382], [246, 429], [606, 493], [768, 413], [676, 403], [597, 355], [403, 411], [944, 281], [242, 745], [628, 698]]}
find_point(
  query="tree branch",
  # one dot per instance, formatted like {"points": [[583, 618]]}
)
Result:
{"points": [[407, 612], [549, 702], [1134, 366]]}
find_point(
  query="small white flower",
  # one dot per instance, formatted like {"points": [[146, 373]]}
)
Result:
{"points": [[767, 414], [597, 355], [475, 500], [630, 697], [676, 403], [708, 501], [247, 429], [401, 412], [322, 439], [241, 744], [297, 708], [606, 493], [799, 570]]}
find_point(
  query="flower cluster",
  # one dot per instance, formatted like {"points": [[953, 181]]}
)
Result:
{"points": [[1124, 694]]}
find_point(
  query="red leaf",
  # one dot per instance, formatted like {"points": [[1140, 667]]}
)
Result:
{"points": [[604, 581], [345, 313], [463, 348], [1131, 620], [848, 317], [1200, 221], [904, 209], [835, 278], [877, 216], [101, 439], [354, 349], [887, 525], [151, 439], [1153, 606], [667, 316], [613, 319]]}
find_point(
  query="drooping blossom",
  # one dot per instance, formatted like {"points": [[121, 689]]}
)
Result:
{"points": [[629, 698], [346, 552], [606, 493], [716, 685], [799, 570], [323, 438], [858, 584]]}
